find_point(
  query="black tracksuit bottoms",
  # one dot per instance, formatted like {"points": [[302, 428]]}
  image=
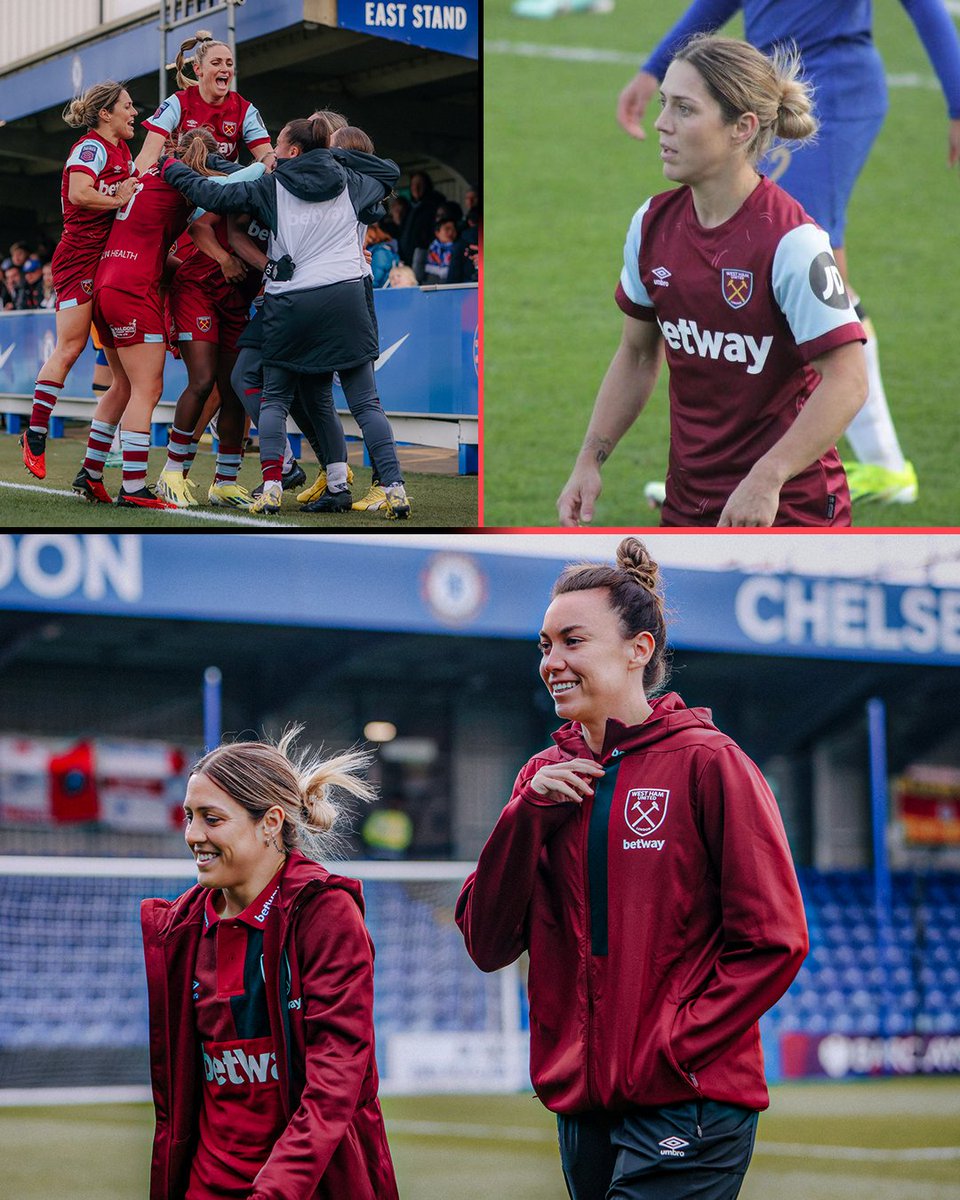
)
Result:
{"points": [[697, 1150]]}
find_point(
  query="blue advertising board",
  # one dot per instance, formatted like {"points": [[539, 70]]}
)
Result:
{"points": [[309, 581], [428, 364], [451, 28]]}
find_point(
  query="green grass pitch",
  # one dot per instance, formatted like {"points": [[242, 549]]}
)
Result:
{"points": [[443, 500], [562, 181], [880, 1140]]}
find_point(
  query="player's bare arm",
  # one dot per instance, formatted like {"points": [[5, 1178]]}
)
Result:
{"points": [[836, 400], [201, 231], [150, 151], [625, 390], [953, 142], [84, 193], [243, 246]]}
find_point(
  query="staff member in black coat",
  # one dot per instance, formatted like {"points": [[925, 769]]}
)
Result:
{"points": [[316, 319]]}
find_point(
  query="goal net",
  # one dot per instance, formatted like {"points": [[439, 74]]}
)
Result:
{"points": [[73, 1002]]}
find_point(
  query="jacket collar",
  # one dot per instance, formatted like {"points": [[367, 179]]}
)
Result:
{"points": [[669, 716], [300, 875]]}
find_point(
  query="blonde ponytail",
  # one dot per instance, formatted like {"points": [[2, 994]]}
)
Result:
{"points": [[744, 80], [305, 785], [201, 42]]}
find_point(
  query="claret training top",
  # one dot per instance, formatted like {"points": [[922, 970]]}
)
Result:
{"points": [[744, 308]]}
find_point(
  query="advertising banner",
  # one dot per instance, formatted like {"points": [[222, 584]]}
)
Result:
{"points": [[480, 594], [428, 362], [837, 1056]]}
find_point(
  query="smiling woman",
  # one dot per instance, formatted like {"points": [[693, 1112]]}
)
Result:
{"points": [[261, 993], [642, 863]]}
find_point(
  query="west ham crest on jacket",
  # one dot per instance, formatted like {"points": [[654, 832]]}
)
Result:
{"points": [[645, 809], [737, 286]]}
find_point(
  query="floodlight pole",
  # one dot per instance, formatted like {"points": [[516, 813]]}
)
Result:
{"points": [[880, 810], [212, 708]]}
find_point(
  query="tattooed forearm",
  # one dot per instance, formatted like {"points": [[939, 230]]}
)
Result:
{"points": [[598, 448]]}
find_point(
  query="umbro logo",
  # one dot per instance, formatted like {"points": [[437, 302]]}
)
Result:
{"points": [[661, 276], [672, 1147]]}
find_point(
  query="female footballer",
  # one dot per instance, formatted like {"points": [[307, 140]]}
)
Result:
{"points": [[260, 981], [835, 42], [130, 321], [642, 863], [764, 348], [206, 100], [209, 302], [96, 183]]}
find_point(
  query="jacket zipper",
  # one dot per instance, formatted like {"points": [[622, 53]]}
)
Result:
{"points": [[586, 944]]}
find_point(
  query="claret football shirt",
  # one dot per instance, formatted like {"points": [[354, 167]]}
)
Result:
{"points": [[108, 165], [242, 1114], [743, 308], [232, 121]]}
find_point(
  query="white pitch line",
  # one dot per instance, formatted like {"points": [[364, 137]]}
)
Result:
{"points": [[857, 1153], [192, 514], [587, 54], [478, 1133], [500, 1133]]}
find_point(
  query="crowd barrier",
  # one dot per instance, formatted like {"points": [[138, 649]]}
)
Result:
{"points": [[427, 373]]}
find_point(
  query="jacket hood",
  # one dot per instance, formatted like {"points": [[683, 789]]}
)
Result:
{"points": [[670, 718], [300, 873], [313, 176]]}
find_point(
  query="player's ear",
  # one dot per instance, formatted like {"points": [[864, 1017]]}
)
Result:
{"points": [[644, 645], [745, 128]]}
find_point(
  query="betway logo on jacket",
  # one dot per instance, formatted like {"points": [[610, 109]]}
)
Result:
{"points": [[734, 347], [237, 1067]]}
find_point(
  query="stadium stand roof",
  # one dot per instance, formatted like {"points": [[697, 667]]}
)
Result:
{"points": [[781, 658]]}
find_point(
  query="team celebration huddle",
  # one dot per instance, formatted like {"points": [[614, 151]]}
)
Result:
{"points": [[171, 252]]}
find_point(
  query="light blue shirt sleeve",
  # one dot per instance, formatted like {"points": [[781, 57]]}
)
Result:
{"points": [[254, 129], [245, 175], [807, 285], [90, 155], [630, 275], [166, 118]]}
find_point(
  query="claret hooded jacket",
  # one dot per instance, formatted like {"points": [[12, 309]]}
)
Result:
{"points": [[318, 966], [662, 916]]}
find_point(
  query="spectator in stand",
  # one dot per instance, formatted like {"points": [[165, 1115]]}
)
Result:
{"points": [[401, 276], [19, 253], [450, 210], [471, 199], [49, 291], [436, 268], [383, 253], [13, 282], [465, 260], [397, 209], [31, 292], [419, 223]]}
